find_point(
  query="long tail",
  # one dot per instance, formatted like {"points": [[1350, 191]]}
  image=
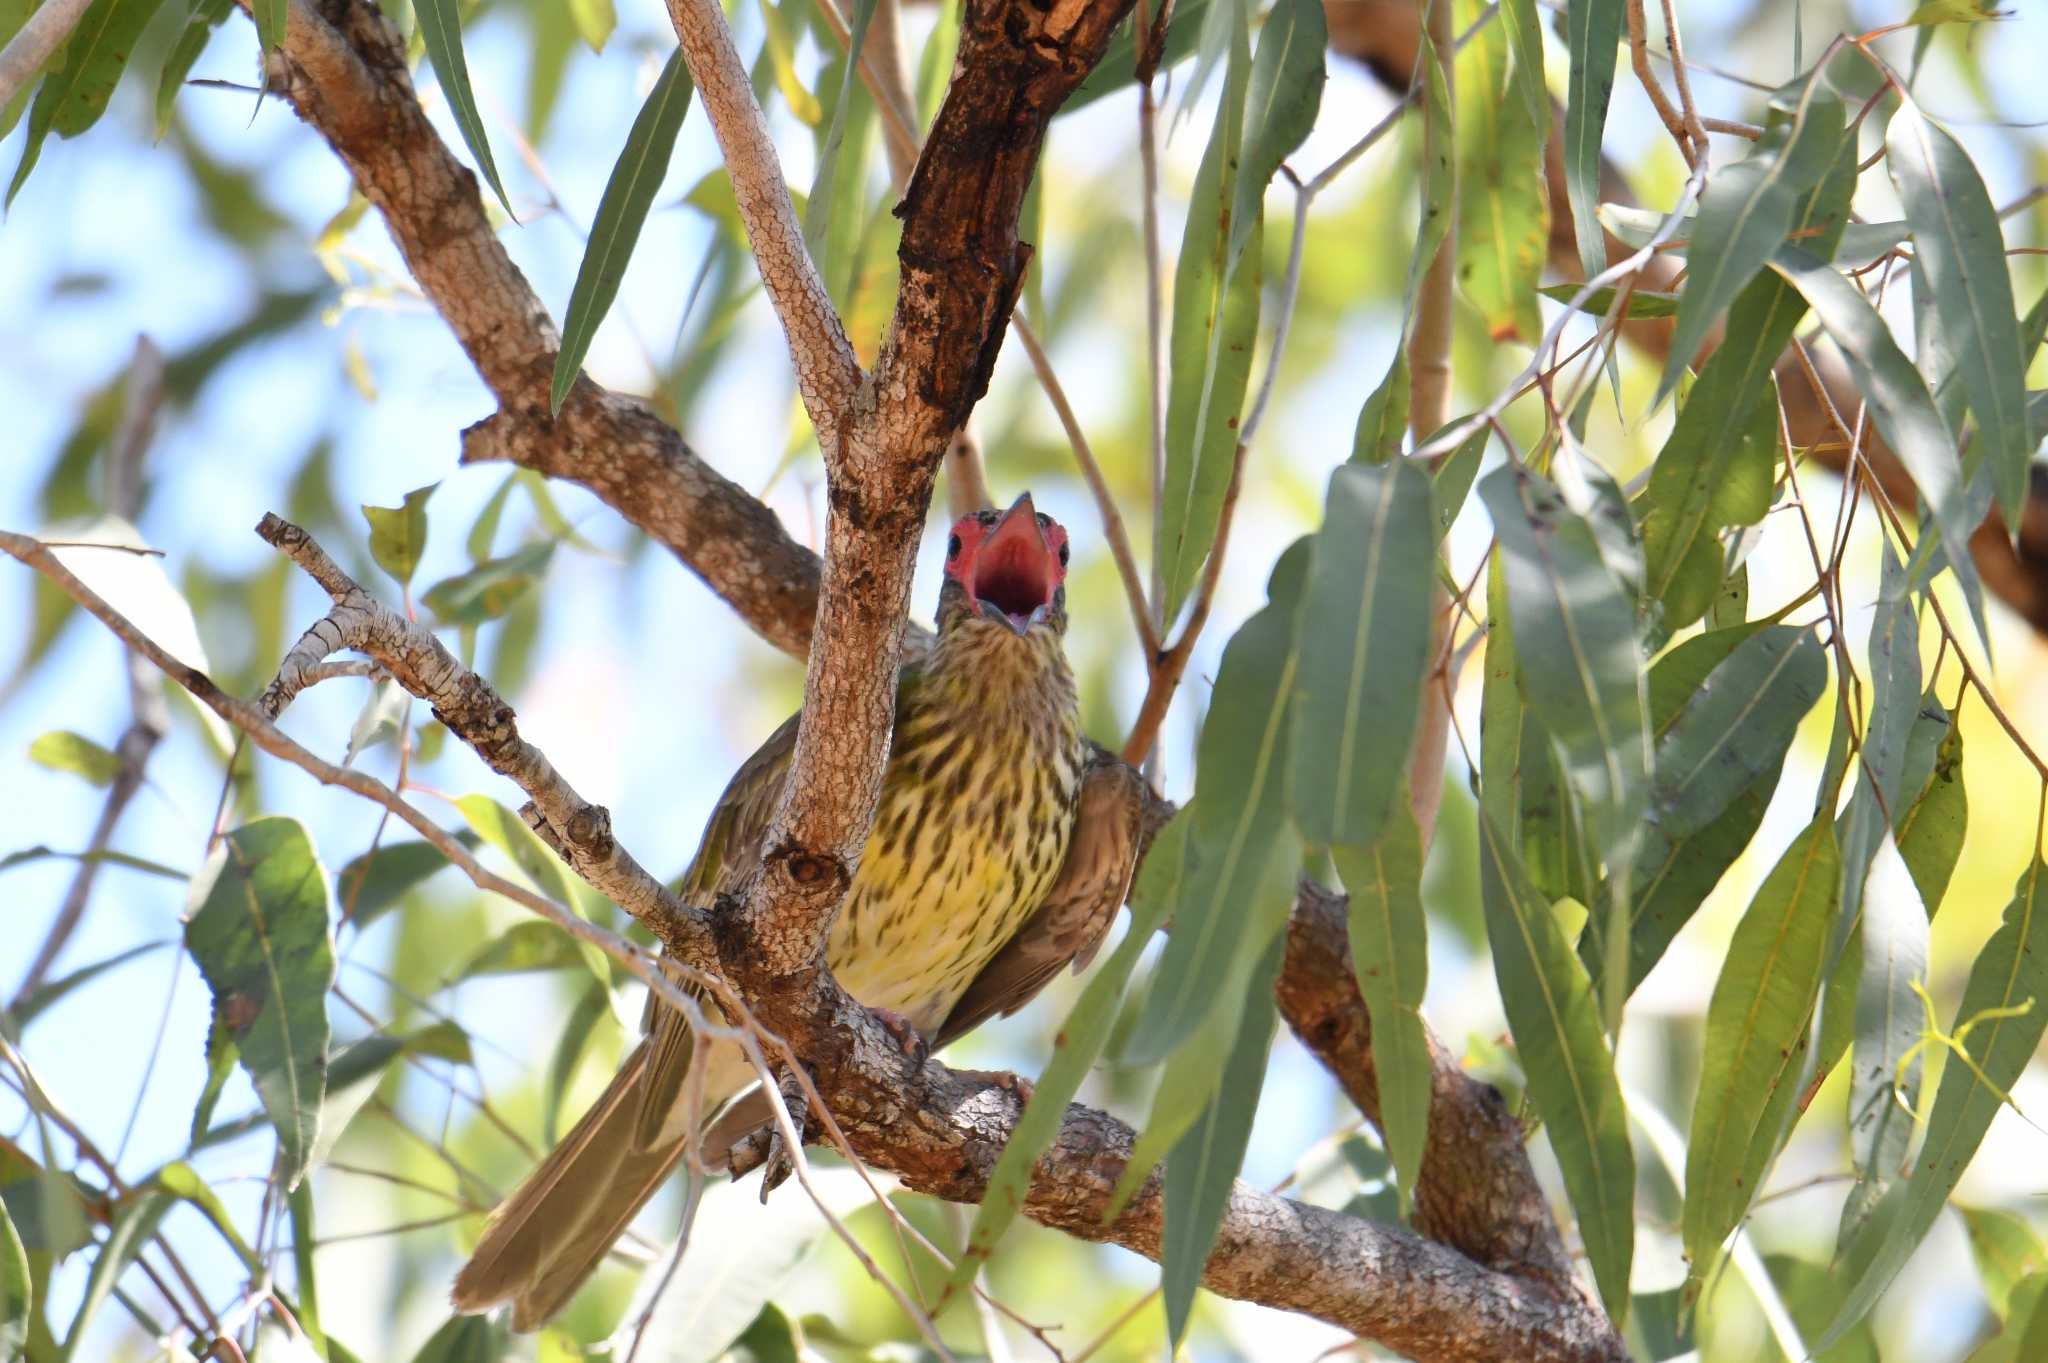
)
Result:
{"points": [[553, 1231]]}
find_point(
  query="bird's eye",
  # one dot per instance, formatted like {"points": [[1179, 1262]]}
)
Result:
{"points": [[1063, 556], [953, 548]]}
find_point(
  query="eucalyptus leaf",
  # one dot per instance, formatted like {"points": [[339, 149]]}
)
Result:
{"points": [[440, 29]]}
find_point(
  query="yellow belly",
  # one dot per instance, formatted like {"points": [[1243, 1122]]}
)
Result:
{"points": [[935, 897]]}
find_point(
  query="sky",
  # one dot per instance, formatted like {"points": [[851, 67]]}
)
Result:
{"points": [[106, 241]]}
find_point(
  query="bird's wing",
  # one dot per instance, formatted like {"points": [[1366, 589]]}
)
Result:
{"points": [[1079, 907]]}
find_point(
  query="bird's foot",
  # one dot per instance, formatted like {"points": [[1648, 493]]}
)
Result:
{"points": [[1006, 1081], [781, 1162], [903, 1032]]}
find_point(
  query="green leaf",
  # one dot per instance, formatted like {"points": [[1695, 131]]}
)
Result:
{"points": [[490, 589], [2005, 1249], [1383, 420], [2025, 1335], [1581, 668], [259, 930], [1502, 123], [374, 882], [221, 1057], [1748, 210], [621, 213], [1755, 1036], [1900, 405], [1215, 324], [440, 28], [504, 830], [206, 16], [818, 209], [465, 1339], [1556, 1026], [1454, 480], [15, 1020], [1286, 93], [1114, 73], [300, 1203], [1642, 303], [1364, 645], [182, 1181], [1930, 832], [1390, 952], [1736, 727], [271, 17], [1998, 1024], [94, 57], [1593, 36], [1203, 1164], [532, 945], [780, 50], [17, 1292], [1239, 817], [63, 750], [1957, 242], [398, 534], [134, 1223], [1160, 885], [595, 20], [594, 1005]]}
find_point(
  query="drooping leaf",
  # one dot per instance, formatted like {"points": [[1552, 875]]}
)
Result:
{"points": [[374, 882], [1215, 323], [1280, 107], [1643, 304], [1717, 432], [1998, 1024], [1755, 1035], [1736, 727], [1240, 814], [307, 1283], [1958, 244], [1556, 1025], [1930, 833], [258, 928], [594, 20], [1748, 210], [134, 1223], [1900, 405], [440, 28], [1364, 645], [206, 16], [504, 830], [488, 590], [2024, 1337], [39, 1000], [1383, 420], [1593, 36], [183, 1182], [1203, 1164], [1390, 952], [1160, 885], [532, 945], [81, 79], [221, 1057], [398, 534], [621, 212], [63, 750], [1453, 481], [1503, 121], [590, 1009], [779, 50]]}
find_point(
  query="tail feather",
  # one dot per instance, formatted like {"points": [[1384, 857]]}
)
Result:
{"points": [[552, 1232]]}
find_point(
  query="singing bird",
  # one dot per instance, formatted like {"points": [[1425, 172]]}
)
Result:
{"points": [[1000, 852]]}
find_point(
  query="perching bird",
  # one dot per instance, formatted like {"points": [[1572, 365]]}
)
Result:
{"points": [[999, 854]]}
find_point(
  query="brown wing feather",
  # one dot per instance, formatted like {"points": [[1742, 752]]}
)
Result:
{"points": [[1078, 909]]}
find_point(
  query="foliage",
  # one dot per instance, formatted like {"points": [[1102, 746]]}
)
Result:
{"points": [[1709, 646]]}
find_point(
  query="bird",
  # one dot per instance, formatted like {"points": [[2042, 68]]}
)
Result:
{"points": [[1002, 845]]}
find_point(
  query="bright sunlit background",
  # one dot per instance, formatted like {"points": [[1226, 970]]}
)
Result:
{"points": [[342, 387]]}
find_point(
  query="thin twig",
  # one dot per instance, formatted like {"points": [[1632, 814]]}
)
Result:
{"points": [[1091, 471], [1639, 58], [1689, 112]]}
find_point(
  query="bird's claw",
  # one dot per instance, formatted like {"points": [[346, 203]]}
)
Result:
{"points": [[781, 1161], [903, 1032], [1006, 1081]]}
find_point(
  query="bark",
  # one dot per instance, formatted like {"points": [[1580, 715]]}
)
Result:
{"points": [[1485, 1278]]}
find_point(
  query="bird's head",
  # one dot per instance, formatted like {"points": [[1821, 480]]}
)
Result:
{"points": [[1005, 570]]}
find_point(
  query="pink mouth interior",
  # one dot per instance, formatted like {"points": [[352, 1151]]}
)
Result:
{"points": [[1011, 572]]}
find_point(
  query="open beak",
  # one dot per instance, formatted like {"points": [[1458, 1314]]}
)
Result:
{"points": [[1015, 573]]}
